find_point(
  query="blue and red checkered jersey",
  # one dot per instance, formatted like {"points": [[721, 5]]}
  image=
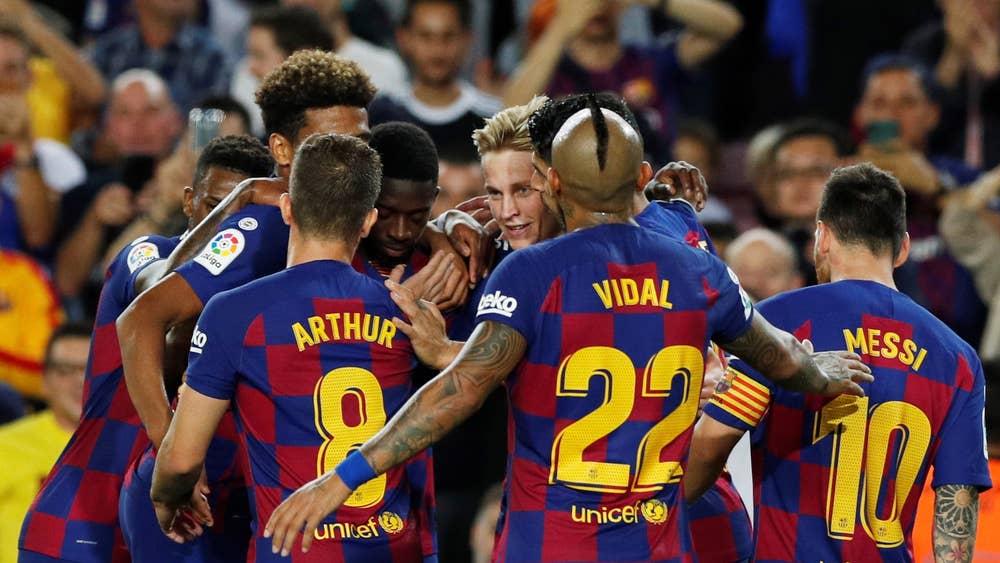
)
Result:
{"points": [[314, 367], [363, 265], [720, 525], [617, 320], [837, 479], [75, 515], [676, 219]]}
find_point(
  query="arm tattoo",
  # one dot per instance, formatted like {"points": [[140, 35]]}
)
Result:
{"points": [[493, 350], [778, 356], [956, 513]]}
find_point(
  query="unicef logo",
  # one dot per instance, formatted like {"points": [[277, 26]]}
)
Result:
{"points": [[391, 522], [654, 511], [225, 244]]}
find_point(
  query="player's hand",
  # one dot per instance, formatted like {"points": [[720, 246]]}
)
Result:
{"points": [[303, 511], [478, 208], [472, 241], [426, 329], [678, 179], [455, 288], [714, 374], [843, 370]]}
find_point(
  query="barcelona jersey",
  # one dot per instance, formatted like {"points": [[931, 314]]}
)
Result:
{"points": [[838, 479], [617, 320], [75, 515], [314, 367]]}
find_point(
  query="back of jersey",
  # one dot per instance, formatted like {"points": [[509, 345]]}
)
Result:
{"points": [[617, 320], [840, 478], [316, 367]]}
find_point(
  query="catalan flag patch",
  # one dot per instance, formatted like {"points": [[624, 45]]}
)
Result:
{"points": [[745, 398]]}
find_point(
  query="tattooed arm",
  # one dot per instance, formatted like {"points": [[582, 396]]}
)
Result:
{"points": [[956, 513], [492, 352], [781, 358]]}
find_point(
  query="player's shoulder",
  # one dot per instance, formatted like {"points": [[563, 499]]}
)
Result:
{"points": [[142, 251]]}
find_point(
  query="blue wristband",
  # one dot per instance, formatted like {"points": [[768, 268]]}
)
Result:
{"points": [[355, 471]]}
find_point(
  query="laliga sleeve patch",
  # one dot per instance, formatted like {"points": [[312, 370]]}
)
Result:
{"points": [[140, 254], [221, 251]]}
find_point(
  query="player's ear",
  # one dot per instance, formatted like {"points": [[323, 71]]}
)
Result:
{"points": [[823, 238], [554, 183], [904, 251], [645, 175], [370, 219], [188, 206], [285, 204], [281, 149]]}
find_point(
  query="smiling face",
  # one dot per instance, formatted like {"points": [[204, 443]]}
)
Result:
{"points": [[515, 202]]}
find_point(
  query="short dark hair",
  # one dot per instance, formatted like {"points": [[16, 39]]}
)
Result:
{"points": [[11, 31], [407, 152], [813, 127], [546, 121], [885, 62], [294, 28], [228, 105], [66, 330], [463, 6], [334, 184], [307, 80], [865, 205], [241, 153], [703, 132]]}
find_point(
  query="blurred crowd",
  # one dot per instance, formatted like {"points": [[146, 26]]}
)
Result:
{"points": [[766, 97]]}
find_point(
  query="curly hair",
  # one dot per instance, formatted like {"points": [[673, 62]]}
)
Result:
{"points": [[546, 122], [239, 153], [310, 79]]}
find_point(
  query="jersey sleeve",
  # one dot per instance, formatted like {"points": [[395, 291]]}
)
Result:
{"points": [[216, 346], [512, 294], [132, 260], [730, 309], [248, 245], [742, 399], [962, 458]]}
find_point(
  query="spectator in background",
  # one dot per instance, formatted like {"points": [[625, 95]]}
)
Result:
{"points": [[37, 440], [971, 229], [697, 143], [580, 51], [964, 51], [34, 172], [764, 262], [460, 177], [383, 66], [435, 38], [63, 82], [274, 34], [190, 60], [141, 125], [898, 114]]}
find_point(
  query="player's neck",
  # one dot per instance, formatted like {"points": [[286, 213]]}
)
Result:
{"points": [[578, 217], [304, 249], [861, 266]]}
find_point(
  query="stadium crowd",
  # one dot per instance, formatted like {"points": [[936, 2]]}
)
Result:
{"points": [[128, 129]]}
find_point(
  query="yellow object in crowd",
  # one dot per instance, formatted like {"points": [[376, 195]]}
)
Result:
{"points": [[49, 102]]}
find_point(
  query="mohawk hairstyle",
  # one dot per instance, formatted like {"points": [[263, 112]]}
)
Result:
{"points": [[601, 128], [546, 121], [310, 79]]}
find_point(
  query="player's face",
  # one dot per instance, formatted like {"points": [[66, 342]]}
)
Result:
{"points": [[263, 53], [343, 120], [207, 193], [64, 376], [435, 42], [514, 201], [404, 207], [801, 167], [897, 95]]}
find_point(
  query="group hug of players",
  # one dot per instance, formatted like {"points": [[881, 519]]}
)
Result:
{"points": [[299, 432]]}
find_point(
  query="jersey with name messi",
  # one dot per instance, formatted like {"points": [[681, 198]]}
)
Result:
{"points": [[838, 479], [75, 514], [617, 320], [314, 367]]}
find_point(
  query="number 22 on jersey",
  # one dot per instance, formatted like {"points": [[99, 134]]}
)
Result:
{"points": [[659, 379]]}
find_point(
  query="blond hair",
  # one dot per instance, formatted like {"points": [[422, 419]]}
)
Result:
{"points": [[508, 129]]}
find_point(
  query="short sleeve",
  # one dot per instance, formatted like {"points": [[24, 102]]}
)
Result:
{"points": [[248, 245], [730, 309], [133, 259], [216, 346], [962, 458], [742, 399], [512, 296]]}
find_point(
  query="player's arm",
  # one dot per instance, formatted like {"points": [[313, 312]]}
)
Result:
{"points": [[493, 350], [791, 364], [710, 448], [141, 331], [956, 515], [179, 465]]}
